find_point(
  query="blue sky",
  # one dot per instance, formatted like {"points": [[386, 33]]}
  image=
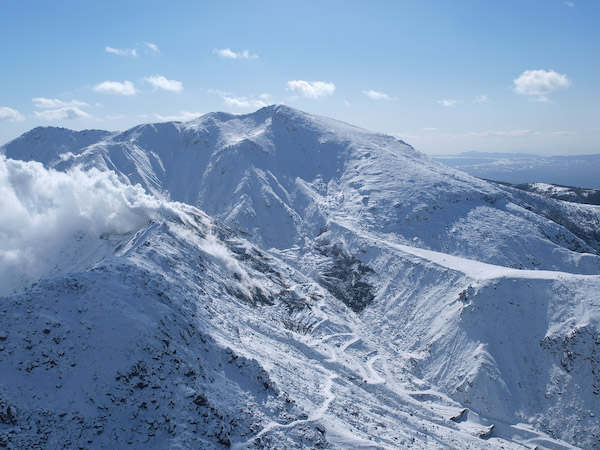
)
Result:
{"points": [[445, 76]]}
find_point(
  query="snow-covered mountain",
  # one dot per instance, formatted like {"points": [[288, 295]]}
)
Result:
{"points": [[282, 280]]}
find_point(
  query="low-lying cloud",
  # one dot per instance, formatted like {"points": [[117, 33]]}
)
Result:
{"points": [[43, 211]]}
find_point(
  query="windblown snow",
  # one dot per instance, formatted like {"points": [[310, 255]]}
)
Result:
{"points": [[283, 280]]}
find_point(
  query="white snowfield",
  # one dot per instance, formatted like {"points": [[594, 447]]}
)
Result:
{"points": [[281, 280]]}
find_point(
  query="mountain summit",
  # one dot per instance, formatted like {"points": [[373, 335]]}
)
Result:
{"points": [[284, 280]]}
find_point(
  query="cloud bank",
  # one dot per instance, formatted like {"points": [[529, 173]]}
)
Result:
{"points": [[44, 212]]}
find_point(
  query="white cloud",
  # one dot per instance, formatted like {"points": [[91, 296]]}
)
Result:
{"points": [[481, 98], [121, 51], [115, 87], [147, 47], [183, 116], [312, 89], [243, 102], [160, 82], [540, 83], [375, 95], [570, 4], [11, 115], [153, 48], [448, 103], [42, 211], [230, 54], [45, 103], [562, 133], [64, 113]]}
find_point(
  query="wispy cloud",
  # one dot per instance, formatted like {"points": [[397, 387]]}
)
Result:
{"points": [[312, 89], [376, 95], [55, 109], [160, 82], [45, 103], [539, 83], [480, 99], [242, 102], [448, 103], [10, 114], [230, 54], [152, 48], [404, 135], [562, 133], [115, 117], [183, 116], [510, 133], [146, 47], [570, 4], [65, 113], [121, 51], [115, 87]]}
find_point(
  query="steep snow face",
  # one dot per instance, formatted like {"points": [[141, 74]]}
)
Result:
{"points": [[281, 176]]}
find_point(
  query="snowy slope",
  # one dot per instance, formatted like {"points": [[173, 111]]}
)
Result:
{"points": [[228, 347], [363, 296]]}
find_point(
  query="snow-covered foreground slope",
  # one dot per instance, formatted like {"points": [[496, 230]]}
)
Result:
{"points": [[362, 296], [189, 337]]}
